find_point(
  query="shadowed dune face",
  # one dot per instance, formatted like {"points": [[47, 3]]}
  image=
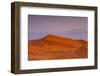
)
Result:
{"points": [[54, 47]]}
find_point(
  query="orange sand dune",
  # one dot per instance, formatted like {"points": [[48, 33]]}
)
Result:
{"points": [[55, 47]]}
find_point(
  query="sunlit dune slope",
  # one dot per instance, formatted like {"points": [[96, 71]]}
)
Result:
{"points": [[54, 47]]}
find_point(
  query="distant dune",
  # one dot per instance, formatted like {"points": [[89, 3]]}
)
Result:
{"points": [[54, 47]]}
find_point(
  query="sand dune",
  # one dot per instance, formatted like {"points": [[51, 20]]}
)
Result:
{"points": [[55, 47]]}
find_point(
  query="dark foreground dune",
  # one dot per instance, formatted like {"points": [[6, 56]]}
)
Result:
{"points": [[54, 47]]}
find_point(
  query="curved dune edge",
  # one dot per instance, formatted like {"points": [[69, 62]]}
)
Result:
{"points": [[54, 47]]}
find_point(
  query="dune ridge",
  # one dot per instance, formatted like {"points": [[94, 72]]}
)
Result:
{"points": [[55, 47]]}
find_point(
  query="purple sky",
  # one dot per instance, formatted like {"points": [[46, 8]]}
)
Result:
{"points": [[65, 26]]}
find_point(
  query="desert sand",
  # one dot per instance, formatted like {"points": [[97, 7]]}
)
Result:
{"points": [[53, 47]]}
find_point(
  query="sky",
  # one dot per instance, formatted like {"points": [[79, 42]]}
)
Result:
{"points": [[65, 26]]}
